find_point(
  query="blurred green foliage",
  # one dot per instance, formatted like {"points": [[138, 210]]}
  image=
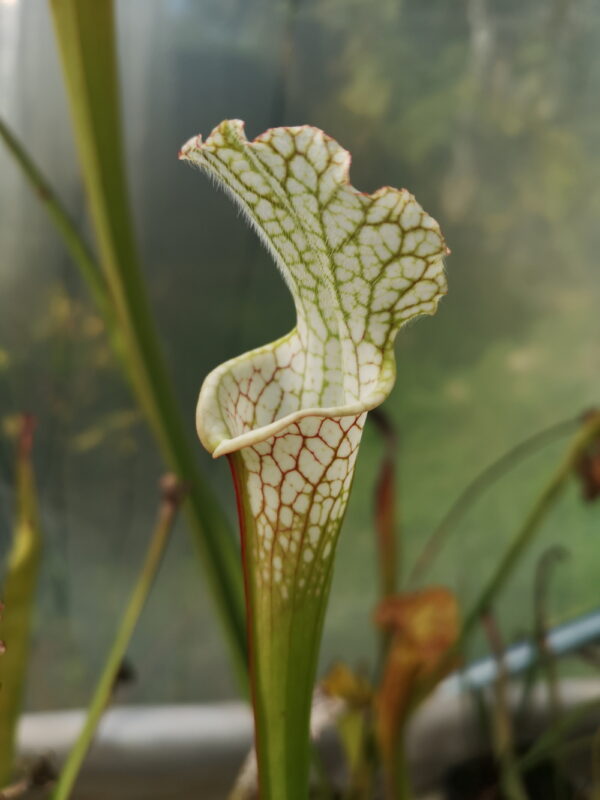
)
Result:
{"points": [[489, 112]]}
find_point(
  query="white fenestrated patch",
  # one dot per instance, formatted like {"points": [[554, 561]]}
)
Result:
{"points": [[358, 266]]}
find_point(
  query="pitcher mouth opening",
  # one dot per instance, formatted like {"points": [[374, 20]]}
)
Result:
{"points": [[218, 438], [223, 429], [228, 446]]}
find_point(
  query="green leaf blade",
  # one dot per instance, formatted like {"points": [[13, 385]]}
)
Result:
{"points": [[18, 596], [85, 34]]}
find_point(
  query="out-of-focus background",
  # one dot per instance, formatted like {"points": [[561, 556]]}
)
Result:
{"points": [[488, 112]]}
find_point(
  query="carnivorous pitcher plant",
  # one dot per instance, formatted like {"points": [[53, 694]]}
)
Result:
{"points": [[290, 415]]}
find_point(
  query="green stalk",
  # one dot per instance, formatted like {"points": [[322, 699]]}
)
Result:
{"points": [[503, 734], [85, 33], [398, 775], [548, 662], [171, 501], [284, 637], [19, 591]]}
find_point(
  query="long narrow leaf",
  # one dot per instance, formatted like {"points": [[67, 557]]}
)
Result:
{"points": [[75, 244], [172, 495], [85, 33], [19, 590]]}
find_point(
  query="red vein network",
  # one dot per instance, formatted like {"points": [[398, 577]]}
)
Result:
{"points": [[358, 267]]}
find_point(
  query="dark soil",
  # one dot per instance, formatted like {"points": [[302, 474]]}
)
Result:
{"points": [[478, 779]]}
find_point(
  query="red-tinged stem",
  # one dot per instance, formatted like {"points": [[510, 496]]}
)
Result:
{"points": [[239, 502], [287, 565], [283, 638]]}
